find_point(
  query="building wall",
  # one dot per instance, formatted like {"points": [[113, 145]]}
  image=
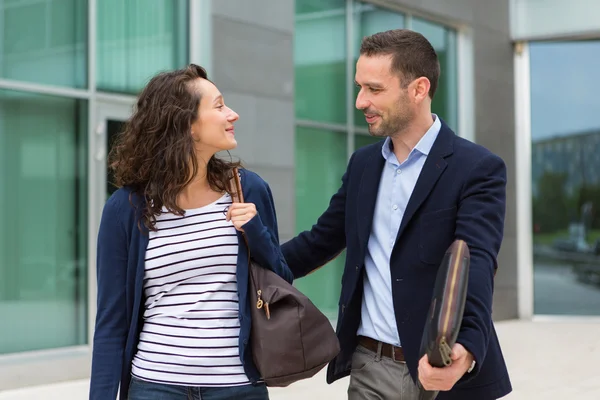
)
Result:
{"points": [[253, 67]]}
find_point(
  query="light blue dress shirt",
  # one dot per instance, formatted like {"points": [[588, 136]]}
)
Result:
{"points": [[398, 180]]}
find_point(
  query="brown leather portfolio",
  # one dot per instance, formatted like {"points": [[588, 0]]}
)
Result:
{"points": [[447, 305]]}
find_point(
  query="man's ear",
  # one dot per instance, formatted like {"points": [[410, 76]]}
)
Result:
{"points": [[421, 88]]}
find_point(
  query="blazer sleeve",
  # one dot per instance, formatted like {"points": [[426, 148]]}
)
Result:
{"points": [[480, 223], [111, 316], [325, 240], [262, 232]]}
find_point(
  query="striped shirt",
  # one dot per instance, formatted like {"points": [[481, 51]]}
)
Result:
{"points": [[191, 328]]}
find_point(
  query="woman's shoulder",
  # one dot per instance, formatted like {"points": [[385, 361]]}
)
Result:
{"points": [[252, 179], [122, 200]]}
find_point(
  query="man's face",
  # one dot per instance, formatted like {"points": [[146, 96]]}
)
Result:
{"points": [[386, 105]]}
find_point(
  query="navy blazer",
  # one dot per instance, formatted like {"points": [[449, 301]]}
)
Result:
{"points": [[460, 194], [120, 273]]}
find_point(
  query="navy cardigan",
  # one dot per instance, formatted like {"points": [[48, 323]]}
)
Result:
{"points": [[120, 274]]}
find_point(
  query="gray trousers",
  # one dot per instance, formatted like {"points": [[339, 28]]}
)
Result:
{"points": [[374, 377]]}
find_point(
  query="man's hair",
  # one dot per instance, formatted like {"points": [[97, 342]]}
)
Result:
{"points": [[412, 55]]}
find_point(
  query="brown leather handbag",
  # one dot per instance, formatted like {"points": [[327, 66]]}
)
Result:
{"points": [[447, 305], [291, 339]]}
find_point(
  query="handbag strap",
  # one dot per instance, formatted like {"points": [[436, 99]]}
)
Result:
{"points": [[237, 196], [235, 187], [235, 191]]}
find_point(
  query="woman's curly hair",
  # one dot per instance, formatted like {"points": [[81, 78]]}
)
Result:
{"points": [[154, 152]]}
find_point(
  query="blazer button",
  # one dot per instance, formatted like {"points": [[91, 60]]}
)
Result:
{"points": [[343, 308], [357, 267], [246, 341]]}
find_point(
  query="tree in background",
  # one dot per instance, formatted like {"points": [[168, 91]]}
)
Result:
{"points": [[551, 205]]}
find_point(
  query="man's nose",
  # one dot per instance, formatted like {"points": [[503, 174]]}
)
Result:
{"points": [[361, 102]]}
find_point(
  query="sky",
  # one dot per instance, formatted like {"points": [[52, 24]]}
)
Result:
{"points": [[565, 88]]}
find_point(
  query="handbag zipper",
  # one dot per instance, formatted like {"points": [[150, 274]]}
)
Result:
{"points": [[445, 349]]}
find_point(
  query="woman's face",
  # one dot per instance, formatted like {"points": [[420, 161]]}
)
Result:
{"points": [[213, 130]]}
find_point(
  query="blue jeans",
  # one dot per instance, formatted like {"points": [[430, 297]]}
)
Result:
{"points": [[143, 390]]}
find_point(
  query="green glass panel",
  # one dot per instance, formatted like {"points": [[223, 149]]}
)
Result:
{"points": [[137, 39], [44, 42], [320, 62], [320, 165], [365, 140], [43, 209], [314, 6], [369, 20], [443, 40]]}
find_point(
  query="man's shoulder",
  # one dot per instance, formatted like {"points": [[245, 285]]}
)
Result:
{"points": [[467, 152]]}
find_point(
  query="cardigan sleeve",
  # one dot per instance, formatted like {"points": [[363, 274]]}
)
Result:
{"points": [[261, 231], [111, 317]]}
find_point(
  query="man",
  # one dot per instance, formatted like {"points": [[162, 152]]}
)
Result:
{"points": [[402, 202]]}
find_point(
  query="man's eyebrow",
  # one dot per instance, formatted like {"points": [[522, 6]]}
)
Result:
{"points": [[372, 85]]}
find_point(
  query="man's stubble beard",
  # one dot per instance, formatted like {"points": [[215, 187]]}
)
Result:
{"points": [[394, 124]]}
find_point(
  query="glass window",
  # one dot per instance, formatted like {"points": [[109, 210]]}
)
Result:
{"points": [[443, 40], [137, 39], [368, 21], [44, 41], [565, 177], [320, 61], [320, 165], [43, 209]]}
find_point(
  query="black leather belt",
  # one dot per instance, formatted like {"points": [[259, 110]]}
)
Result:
{"points": [[387, 350]]}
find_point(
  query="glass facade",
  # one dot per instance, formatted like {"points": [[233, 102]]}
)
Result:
{"points": [[43, 249], [45, 142], [320, 65], [565, 177], [137, 38], [44, 41], [321, 95]]}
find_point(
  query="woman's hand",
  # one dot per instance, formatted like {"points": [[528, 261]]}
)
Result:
{"points": [[240, 213]]}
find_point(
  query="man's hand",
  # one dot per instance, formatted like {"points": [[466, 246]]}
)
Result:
{"points": [[443, 379], [240, 213]]}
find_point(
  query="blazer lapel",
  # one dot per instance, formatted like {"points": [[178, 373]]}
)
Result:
{"points": [[434, 166], [367, 195]]}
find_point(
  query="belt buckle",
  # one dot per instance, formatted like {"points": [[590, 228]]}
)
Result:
{"points": [[394, 355]]}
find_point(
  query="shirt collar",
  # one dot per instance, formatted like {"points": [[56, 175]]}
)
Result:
{"points": [[423, 146]]}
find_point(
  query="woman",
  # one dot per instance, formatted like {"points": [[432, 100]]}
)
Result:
{"points": [[173, 316]]}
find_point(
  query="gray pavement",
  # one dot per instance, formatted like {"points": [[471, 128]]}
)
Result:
{"points": [[547, 361]]}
